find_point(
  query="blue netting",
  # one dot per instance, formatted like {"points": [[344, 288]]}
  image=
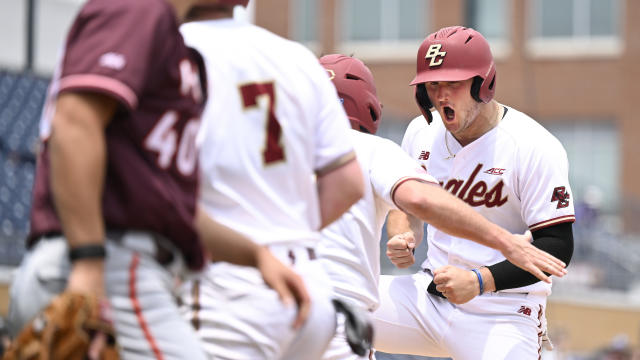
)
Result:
{"points": [[21, 99]]}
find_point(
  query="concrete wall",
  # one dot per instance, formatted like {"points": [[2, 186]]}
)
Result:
{"points": [[581, 326]]}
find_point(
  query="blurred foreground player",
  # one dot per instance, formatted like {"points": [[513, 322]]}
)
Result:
{"points": [[277, 166]]}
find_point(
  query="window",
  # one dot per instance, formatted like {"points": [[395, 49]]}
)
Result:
{"points": [[489, 17], [492, 19], [369, 25], [53, 19], [13, 17], [593, 149], [304, 22], [574, 27]]}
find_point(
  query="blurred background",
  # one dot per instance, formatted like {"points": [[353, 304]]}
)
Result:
{"points": [[573, 65]]}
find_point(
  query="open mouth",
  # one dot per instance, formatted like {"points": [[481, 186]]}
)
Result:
{"points": [[449, 113]]}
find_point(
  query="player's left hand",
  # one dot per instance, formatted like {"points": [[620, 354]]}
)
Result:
{"points": [[524, 255], [289, 285], [457, 285], [400, 250]]}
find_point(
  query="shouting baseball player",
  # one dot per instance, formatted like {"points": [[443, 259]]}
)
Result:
{"points": [[350, 248], [509, 169], [277, 165]]}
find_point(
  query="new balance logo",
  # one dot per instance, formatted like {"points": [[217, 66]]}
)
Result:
{"points": [[524, 310], [561, 195], [424, 155], [433, 53], [495, 171]]}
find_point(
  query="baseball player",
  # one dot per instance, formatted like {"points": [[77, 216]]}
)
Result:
{"points": [[509, 169], [114, 206], [278, 165], [393, 180]]}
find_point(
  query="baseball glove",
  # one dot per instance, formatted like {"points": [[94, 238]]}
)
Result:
{"points": [[65, 330]]}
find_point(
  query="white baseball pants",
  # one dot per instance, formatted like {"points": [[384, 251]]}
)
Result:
{"points": [[141, 292], [493, 326], [238, 317]]}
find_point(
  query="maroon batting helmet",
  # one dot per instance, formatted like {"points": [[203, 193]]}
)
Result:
{"points": [[455, 53], [356, 89]]}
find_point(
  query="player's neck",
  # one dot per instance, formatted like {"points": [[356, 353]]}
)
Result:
{"points": [[181, 8], [488, 118], [210, 12]]}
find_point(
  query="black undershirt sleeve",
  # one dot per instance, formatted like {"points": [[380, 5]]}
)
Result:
{"points": [[557, 240]]}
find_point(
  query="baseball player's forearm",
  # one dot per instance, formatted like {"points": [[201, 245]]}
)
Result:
{"points": [[448, 213], [399, 222], [78, 160], [557, 240], [77, 155], [417, 227], [338, 189], [223, 243]]}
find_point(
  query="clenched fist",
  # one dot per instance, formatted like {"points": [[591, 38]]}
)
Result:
{"points": [[457, 285], [400, 250]]}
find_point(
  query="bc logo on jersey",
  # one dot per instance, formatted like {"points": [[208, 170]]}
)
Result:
{"points": [[525, 310], [433, 52], [560, 195]]}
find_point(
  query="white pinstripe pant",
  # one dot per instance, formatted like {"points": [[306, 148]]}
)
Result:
{"points": [[141, 292]]}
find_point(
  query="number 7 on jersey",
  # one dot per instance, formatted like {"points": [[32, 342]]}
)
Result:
{"points": [[273, 150]]}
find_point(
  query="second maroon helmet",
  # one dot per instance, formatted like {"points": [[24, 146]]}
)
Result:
{"points": [[356, 89], [455, 53]]}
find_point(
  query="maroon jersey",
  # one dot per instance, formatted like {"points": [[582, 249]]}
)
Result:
{"points": [[133, 52]]}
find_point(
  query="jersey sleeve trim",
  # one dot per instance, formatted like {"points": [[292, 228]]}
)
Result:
{"points": [[342, 160], [111, 86], [404, 180], [547, 223]]}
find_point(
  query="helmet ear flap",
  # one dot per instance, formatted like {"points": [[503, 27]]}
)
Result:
{"points": [[475, 88], [483, 90], [422, 98]]}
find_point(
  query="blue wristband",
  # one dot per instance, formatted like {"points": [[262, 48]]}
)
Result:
{"points": [[480, 283]]}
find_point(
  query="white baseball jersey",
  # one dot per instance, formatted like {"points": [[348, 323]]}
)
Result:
{"points": [[516, 175], [272, 121], [350, 248]]}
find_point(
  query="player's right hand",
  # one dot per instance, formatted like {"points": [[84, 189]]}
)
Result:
{"points": [[528, 257], [87, 276], [400, 249], [289, 285]]}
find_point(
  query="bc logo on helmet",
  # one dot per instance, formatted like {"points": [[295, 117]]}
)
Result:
{"points": [[433, 52]]}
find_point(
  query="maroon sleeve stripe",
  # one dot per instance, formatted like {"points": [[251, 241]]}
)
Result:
{"points": [[558, 220], [402, 181], [97, 82]]}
